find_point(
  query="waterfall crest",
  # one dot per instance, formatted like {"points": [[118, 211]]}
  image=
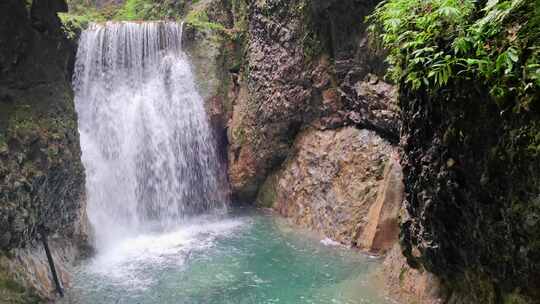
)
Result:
{"points": [[148, 149]]}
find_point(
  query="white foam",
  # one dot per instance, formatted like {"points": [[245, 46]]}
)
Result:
{"points": [[125, 264], [330, 242]]}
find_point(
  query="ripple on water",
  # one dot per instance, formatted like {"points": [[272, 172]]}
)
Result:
{"points": [[247, 258]]}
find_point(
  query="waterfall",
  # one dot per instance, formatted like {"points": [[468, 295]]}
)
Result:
{"points": [[147, 146]]}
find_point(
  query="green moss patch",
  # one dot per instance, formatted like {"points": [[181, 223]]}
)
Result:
{"points": [[200, 20]]}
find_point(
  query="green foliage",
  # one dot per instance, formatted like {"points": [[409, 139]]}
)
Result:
{"points": [[433, 42], [135, 10], [240, 13], [83, 12], [199, 19], [90, 9], [72, 25], [150, 10], [28, 4], [132, 10], [515, 299], [312, 44]]}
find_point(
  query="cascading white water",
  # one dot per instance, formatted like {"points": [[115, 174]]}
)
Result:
{"points": [[147, 146]]}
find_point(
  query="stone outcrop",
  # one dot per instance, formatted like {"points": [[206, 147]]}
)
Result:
{"points": [[382, 228], [25, 276], [406, 284], [344, 183], [304, 65], [267, 118], [41, 175]]}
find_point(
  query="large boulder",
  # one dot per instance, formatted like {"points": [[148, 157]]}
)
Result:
{"points": [[345, 184]]}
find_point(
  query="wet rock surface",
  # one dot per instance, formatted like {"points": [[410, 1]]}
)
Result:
{"points": [[41, 175], [344, 183], [305, 65], [27, 276], [406, 284], [277, 94], [472, 189]]}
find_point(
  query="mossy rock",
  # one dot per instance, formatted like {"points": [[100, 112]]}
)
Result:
{"points": [[12, 291]]}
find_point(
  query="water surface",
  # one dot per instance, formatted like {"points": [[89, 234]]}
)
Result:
{"points": [[244, 258]]}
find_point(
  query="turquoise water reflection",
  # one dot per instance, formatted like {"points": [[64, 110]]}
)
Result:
{"points": [[246, 258]]}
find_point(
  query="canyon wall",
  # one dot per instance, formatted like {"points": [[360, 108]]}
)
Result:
{"points": [[470, 144], [309, 128], [345, 183], [303, 66], [41, 175], [472, 194], [470, 168], [313, 130]]}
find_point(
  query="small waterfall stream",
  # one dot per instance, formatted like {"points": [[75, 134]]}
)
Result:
{"points": [[147, 146]]}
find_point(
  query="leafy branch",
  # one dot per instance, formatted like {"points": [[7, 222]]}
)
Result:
{"points": [[433, 42]]}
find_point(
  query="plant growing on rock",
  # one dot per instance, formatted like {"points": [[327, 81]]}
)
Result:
{"points": [[434, 42]]}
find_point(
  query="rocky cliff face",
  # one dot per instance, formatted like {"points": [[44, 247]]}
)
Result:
{"points": [[406, 284], [312, 128], [304, 66], [472, 194], [275, 95], [41, 175]]}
